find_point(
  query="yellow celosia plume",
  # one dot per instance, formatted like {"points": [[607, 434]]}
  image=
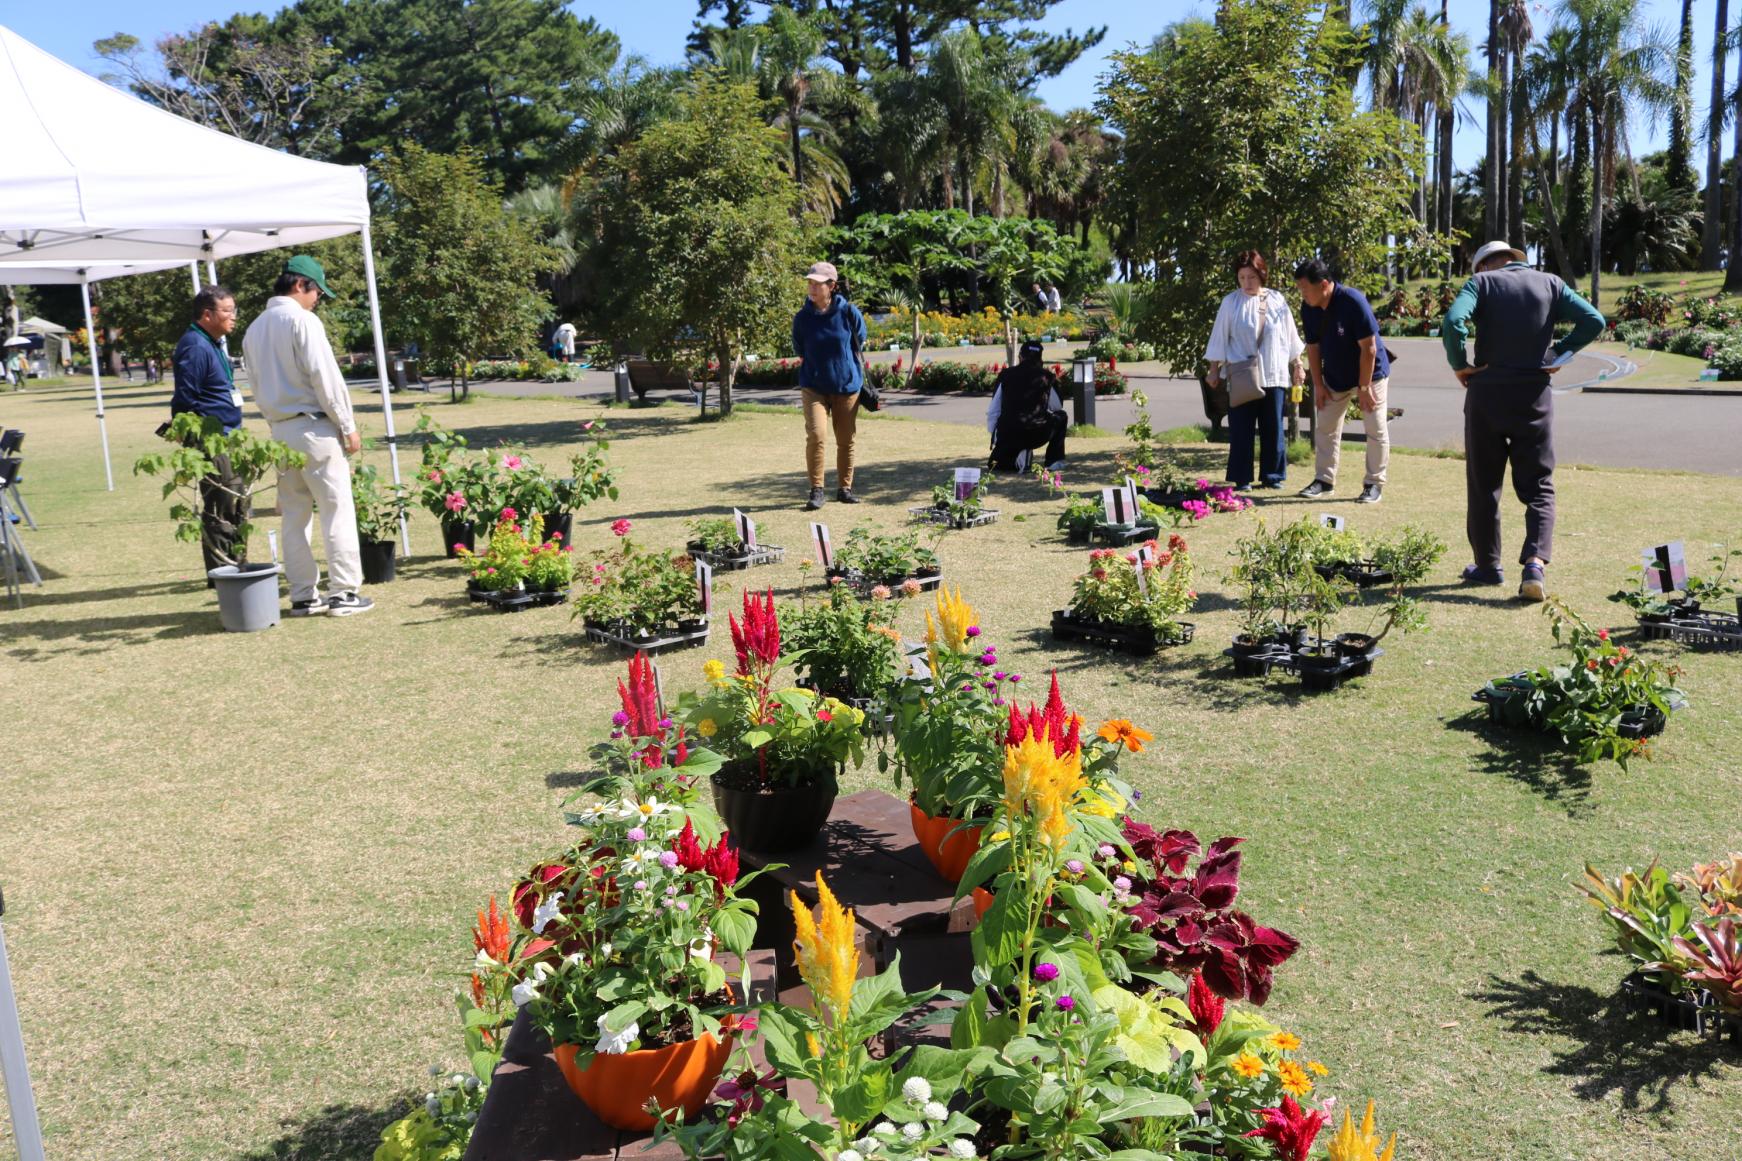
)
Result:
{"points": [[954, 618], [1351, 1144], [1038, 782], [827, 950]]}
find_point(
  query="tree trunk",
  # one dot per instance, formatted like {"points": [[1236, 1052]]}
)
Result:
{"points": [[1679, 169], [1596, 212], [1712, 233], [1551, 220], [1578, 191], [1733, 271], [917, 337], [728, 376], [1502, 142], [973, 249], [1554, 150], [792, 112], [1490, 163], [1520, 114]]}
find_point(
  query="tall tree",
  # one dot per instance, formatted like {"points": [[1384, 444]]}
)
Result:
{"points": [[1679, 170], [1712, 229], [1493, 164], [1515, 24]]}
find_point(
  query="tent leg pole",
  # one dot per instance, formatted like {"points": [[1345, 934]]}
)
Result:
{"points": [[96, 380], [194, 273], [212, 280], [12, 1065], [381, 372]]}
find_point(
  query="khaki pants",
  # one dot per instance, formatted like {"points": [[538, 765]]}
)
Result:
{"points": [[1328, 436], [840, 412], [325, 481]]}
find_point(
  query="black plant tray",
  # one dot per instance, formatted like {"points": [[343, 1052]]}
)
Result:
{"points": [[732, 562], [1711, 630], [941, 516], [1141, 640], [862, 584], [1362, 574], [1124, 533], [1695, 1010], [1314, 678], [669, 639], [519, 602], [1647, 723]]}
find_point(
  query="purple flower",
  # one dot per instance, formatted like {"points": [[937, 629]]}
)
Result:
{"points": [[997, 701], [1105, 851], [615, 734], [619, 718], [665, 723], [668, 859], [990, 684], [1137, 796], [1122, 885], [1000, 675], [967, 687], [1016, 677], [636, 835], [1065, 1003], [1074, 866], [671, 890], [682, 904], [1046, 973], [973, 630], [641, 884]]}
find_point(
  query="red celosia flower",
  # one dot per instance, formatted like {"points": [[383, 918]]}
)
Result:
{"points": [[640, 698], [1291, 1129], [1206, 1007], [722, 863], [756, 640], [688, 849]]}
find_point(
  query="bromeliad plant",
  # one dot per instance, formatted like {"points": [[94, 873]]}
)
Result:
{"points": [[778, 737], [1680, 931], [1111, 590], [231, 464], [891, 1108]]}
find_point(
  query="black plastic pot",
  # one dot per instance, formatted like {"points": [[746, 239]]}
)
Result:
{"points": [[457, 532], [692, 624], [1318, 658], [379, 565], [563, 522], [1641, 722], [1356, 644], [1294, 637], [927, 571], [1245, 645], [783, 818]]}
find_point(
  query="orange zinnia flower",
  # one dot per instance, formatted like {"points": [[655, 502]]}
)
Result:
{"points": [[1130, 736]]}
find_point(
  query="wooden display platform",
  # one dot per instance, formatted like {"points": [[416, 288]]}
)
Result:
{"points": [[530, 1114]]}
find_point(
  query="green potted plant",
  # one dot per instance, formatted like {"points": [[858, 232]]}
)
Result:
{"points": [[1079, 518], [1320, 599], [958, 506], [1115, 603], [639, 596], [1406, 559], [449, 484], [380, 510], [501, 569], [716, 540], [229, 465], [841, 648], [783, 749]]}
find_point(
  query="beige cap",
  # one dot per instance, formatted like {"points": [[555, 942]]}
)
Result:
{"points": [[823, 272], [1492, 248]]}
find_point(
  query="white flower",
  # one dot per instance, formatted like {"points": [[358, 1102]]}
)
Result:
{"points": [[457, 1078], [849, 1155], [604, 952], [548, 908], [868, 1145], [935, 1111], [526, 990], [962, 1149], [702, 946], [917, 1089], [616, 1043], [884, 1128], [575, 959], [913, 1131], [432, 1106], [483, 962]]}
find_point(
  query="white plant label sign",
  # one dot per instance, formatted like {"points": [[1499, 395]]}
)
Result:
{"points": [[1117, 506], [1666, 568], [967, 479], [1335, 523], [746, 529], [825, 549], [705, 584]]}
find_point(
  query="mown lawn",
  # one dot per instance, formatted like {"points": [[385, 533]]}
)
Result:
{"points": [[240, 870]]}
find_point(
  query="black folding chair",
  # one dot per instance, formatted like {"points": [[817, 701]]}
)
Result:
{"points": [[10, 443], [19, 566]]}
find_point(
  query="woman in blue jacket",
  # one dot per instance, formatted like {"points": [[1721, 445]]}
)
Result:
{"points": [[828, 334]]}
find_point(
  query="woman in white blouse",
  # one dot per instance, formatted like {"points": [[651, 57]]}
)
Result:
{"points": [[1236, 337]]}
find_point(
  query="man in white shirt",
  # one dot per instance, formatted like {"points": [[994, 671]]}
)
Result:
{"points": [[302, 395], [565, 341]]}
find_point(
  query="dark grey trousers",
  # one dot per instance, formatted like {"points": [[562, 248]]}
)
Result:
{"points": [[1509, 424]]}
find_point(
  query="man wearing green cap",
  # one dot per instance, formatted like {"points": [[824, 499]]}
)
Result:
{"points": [[300, 392]]}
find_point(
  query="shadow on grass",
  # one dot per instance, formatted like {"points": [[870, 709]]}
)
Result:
{"points": [[335, 1133], [1619, 1054], [89, 636], [49, 598], [1531, 759]]}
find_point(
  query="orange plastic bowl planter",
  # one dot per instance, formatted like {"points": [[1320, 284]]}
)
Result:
{"points": [[617, 1087], [949, 853]]}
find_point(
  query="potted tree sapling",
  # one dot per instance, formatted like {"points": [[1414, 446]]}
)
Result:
{"points": [[227, 465], [380, 509], [1405, 560], [1320, 600]]}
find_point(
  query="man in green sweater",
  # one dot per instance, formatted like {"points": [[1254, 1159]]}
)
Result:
{"points": [[1509, 406]]}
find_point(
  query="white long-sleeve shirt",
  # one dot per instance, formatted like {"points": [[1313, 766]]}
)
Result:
{"points": [[292, 368], [1235, 336]]}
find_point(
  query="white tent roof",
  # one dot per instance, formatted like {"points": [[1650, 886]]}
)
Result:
{"points": [[73, 273], [95, 174], [40, 326]]}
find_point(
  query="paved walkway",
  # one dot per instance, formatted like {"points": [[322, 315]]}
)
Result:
{"points": [[1694, 433]]}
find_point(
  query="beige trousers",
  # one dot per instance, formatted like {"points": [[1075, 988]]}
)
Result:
{"points": [[1328, 436], [324, 482], [827, 410]]}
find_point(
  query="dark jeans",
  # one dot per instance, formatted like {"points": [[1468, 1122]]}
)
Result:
{"points": [[1016, 438], [1509, 425], [1265, 417]]}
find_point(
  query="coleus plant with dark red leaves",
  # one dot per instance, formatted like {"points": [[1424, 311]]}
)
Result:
{"points": [[1189, 912]]}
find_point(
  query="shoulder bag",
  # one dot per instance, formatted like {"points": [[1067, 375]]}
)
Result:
{"points": [[870, 398], [1246, 376]]}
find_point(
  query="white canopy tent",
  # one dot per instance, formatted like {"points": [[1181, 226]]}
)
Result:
{"points": [[96, 178]]}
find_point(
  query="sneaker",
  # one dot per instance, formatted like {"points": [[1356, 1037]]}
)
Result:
{"points": [[1056, 466], [309, 608], [1369, 495], [845, 496], [348, 604], [816, 500], [1482, 574], [1314, 490], [1532, 587], [1242, 487]]}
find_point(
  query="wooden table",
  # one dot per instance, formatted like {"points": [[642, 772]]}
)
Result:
{"points": [[530, 1114]]}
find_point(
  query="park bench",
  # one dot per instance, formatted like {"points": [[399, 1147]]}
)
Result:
{"points": [[645, 376]]}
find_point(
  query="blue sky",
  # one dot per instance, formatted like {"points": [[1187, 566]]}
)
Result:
{"points": [[657, 28]]}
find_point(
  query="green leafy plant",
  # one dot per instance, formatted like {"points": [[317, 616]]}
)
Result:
{"points": [[1110, 591], [1646, 915], [1080, 516], [716, 534], [227, 464], [1408, 556], [841, 645], [1696, 591], [885, 559], [380, 506], [506, 561], [642, 591], [944, 500]]}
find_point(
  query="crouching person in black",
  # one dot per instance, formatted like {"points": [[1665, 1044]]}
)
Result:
{"points": [[1026, 413]]}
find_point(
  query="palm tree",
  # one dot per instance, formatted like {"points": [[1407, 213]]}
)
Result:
{"points": [[1712, 230], [1433, 70], [1679, 171], [1548, 76], [1494, 167], [1515, 26]]}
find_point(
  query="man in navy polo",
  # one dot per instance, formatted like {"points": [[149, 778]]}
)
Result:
{"points": [[206, 385], [1347, 361]]}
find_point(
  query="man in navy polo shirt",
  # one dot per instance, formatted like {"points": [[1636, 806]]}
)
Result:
{"points": [[206, 385], [1347, 361]]}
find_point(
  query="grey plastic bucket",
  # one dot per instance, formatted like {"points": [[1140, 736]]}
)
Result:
{"points": [[247, 596]]}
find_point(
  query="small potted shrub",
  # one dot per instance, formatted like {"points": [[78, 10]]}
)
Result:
{"points": [[550, 570], [716, 540], [1132, 597], [1405, 560], [841, 648], [1321, 599], [1079, 518], [958, 505], [500, 571], [232, 463], [380, 509], [453, 488], [556, 499], [783, 749], [641, 597], [868, 559]]}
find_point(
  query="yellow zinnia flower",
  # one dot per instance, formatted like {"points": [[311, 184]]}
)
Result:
{"points": [[1294, 1079], [827, 950], [1287, 1041], [1351, 1144], [713, 670], [1249, 1066], [1317, 1069], [708, 727]]}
